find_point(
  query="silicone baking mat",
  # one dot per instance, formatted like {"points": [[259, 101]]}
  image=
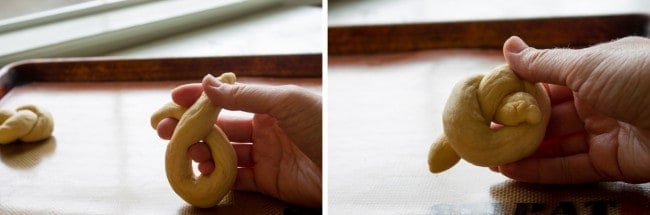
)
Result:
{"points": [[387, 87], [104, 158]]}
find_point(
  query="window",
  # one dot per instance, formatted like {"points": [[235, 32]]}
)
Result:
{"points": [[102, 26]]}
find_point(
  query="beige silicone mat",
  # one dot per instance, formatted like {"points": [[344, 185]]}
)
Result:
{"points": [[104, 158], [384, 112]]}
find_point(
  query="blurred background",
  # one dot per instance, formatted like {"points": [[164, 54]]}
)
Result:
{"points": [[146, 28], [15, 8]]}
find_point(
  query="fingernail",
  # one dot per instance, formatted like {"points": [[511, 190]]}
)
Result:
{"points": [[515, 45], [211, 81]]}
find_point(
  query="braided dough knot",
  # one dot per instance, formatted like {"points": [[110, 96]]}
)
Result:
{"points": [[196, 123], [500, 97], [28, 123]]}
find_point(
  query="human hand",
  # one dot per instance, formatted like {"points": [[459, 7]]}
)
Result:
{"points": [[599, 128], [279, 150]]}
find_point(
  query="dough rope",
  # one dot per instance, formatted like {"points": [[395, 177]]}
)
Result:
{"points": [[196, 123], [28, 123], [523, 108]]}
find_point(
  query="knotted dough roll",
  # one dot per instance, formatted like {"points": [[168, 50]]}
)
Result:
{"points": [[522, 108], [196, 123], [28, 123]]}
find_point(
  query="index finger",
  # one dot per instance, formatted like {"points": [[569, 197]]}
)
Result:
{"points": [[558, 93], [185, 95]]}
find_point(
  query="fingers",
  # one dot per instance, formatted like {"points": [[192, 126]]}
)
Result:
{"points": [[573, 169], [200, 152], [166, 128], [186, 95], [245, 180], [558, 94], [561, 146], [206, 167], [564, 120], [277, 101], [249, 98], [526, 62], [244, 154], [297, 111], [556, 66], [237, 129]]}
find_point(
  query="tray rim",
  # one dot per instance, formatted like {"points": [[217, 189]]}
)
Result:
{"points": [[583, 30], [143, 69]]}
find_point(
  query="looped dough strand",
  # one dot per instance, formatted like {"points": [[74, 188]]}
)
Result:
{"points": [[500, 97], [196, 123], [28, 123]]}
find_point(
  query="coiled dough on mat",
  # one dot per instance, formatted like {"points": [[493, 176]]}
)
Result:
{"points": [[523, 108], [28, 123], [196, 123]]}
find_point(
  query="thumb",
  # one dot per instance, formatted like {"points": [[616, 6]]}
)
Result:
{"points": [[297, 110], [280, 102], [288, 103], [565, 67], [242, 97]]}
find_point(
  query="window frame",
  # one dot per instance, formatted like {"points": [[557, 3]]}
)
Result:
{"points": [[111, 39]]}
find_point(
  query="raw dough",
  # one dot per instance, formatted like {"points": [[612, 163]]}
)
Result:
{"points": [[501, 97], [28, 123], [195, 124]]}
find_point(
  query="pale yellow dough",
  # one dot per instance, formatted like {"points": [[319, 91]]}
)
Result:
{"points": [[196, 123], [28, 123], [523, 108]]}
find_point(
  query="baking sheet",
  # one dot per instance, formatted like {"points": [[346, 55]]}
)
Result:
{"points": [[388, 84], [103, 157], [548, 32], [385, 111]]}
